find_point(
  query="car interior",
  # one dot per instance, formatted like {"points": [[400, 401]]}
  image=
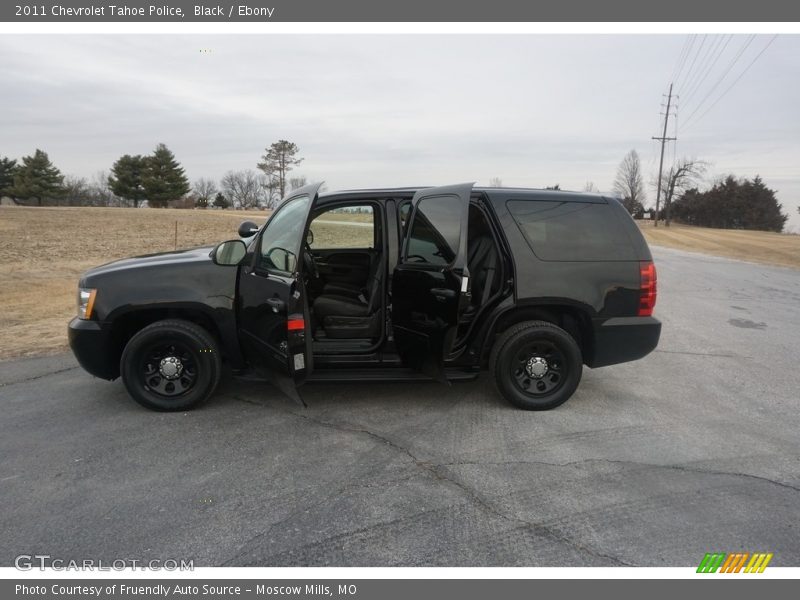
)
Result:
{"points": [[348, 285], [346, 290]]}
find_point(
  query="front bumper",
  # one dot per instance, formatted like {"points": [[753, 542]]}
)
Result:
{"points": [[623, 339], [92, 345]]}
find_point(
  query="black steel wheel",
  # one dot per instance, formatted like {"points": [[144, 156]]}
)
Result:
{"points": [[171, 365], [536, 365]]}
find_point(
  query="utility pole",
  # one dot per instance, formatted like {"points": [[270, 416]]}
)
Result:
{"points": [[664, 139]]}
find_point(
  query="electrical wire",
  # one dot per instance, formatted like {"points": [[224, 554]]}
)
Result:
{"points": [[689, 44], [703, 74], [681, 58], [694, 60], [730, 87], [722, 77]]}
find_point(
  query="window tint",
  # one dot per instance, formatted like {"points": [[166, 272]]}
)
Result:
{"points": [[344, 227], [572, 231], [435, 231], [280, 242]]}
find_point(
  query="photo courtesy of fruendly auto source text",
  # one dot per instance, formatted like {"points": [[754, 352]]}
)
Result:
{"points": [[356, 300]]}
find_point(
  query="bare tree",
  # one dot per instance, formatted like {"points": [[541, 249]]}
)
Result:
{"points": [[101, 192], [75, 191], [680, 177], [495, 182], [243, 188], [589, 186], [204, 191], [629, 182], [295, 183]]}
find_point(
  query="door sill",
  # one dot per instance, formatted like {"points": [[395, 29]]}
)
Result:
{"points": [[391, 374]]}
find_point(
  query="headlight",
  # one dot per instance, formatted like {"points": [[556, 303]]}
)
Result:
{"points": [[86, 298]]}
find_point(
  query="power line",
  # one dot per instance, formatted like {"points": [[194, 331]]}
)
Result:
{"points": [[719, 81], [681, 59], [704, 72], [689, 44], [690, 81], [694, 60], [730, 87]]}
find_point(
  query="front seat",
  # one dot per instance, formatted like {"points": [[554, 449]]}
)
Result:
{"points": [[346, 316]]}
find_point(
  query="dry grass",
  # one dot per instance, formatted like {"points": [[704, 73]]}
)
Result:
{"points": [[755, 246], [43, 251]]}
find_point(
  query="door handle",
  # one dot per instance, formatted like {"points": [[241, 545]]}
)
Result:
{"points": [[443, 294], [276, 304]]}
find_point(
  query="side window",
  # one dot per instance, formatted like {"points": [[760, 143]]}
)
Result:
{"points": [[280, 242], [350, 227], [572, 231], [435, 231]]}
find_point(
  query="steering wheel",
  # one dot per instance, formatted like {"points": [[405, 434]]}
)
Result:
{"points": [[309, 263]]}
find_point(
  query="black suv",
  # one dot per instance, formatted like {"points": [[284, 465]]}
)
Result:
{"points": [[384, 284]]}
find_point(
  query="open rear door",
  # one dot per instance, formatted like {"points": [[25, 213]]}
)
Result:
{"points": [[430, 285], [273, 320]]}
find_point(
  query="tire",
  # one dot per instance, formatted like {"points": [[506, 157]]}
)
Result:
{"points": [[536, 365], [171, 365]]}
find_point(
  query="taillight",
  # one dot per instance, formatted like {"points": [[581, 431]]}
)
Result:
{"points": [[647, 288]]}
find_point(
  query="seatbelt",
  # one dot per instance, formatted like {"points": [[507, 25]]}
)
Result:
{"points": [[487, 283]]}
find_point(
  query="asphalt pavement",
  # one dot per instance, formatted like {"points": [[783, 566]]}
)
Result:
{"points": [[694, 449]]}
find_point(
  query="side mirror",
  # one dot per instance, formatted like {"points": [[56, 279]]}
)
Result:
{"points": [[229, 254], [247, 229], [310, 237]]}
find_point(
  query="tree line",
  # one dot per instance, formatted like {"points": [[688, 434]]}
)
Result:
{"points": [[731, 202], [156, 180]]}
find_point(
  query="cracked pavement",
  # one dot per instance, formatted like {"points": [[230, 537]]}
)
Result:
{"points": [[690, 450]]}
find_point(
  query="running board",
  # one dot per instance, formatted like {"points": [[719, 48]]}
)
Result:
{"points": [[383, 374]]}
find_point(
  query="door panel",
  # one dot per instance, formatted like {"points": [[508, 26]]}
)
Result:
{"points": [[274, 324], [430, 285]]}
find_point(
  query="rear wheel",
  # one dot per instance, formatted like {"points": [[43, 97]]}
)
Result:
{"points": [[536, 365], [171, 365]]}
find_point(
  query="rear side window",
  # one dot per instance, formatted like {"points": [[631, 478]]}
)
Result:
{"points": [[435, 231], [572, 231]]}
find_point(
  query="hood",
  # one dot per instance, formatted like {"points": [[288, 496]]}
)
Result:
{"points": [[180, 257]]}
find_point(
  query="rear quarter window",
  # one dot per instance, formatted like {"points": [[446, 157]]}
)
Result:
{"points": [[572, 231]]}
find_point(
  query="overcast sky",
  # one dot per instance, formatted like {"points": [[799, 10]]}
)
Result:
{"points": [[533, 110]]}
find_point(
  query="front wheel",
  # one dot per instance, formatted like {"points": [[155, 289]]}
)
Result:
{"points": [[171, 365], [536, 365]]}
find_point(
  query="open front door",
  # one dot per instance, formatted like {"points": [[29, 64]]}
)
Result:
{"points": [[430, 285], [274, 322]]}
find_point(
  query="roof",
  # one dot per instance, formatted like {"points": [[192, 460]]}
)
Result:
{"points": [[507, 193]]}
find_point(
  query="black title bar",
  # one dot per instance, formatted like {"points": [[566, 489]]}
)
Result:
{"points": [[398, 11]]}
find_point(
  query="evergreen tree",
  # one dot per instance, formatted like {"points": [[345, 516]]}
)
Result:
{"points": [[8, 166], [36, 178], [164, 179], [732, 204], [278, 160], [125, 180], [221, 202]]}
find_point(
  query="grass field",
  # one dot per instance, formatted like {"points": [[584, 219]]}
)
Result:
{"points": [[43, 251], [754, 246]]}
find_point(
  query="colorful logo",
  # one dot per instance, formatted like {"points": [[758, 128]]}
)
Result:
{"points": [[735, 562]]}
